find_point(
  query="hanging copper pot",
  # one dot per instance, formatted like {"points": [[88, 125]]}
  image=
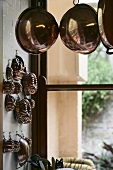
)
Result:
{"points": [[105, 22], [29, 82], [10, 103], [23, 153], [36, 30], [79, 29]]}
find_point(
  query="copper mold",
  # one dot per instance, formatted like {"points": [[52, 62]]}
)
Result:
{"points": [[18, 68], [29, 82], [10, 103], [23, 111], [10, 145], [9, 72], [18, 88], [8, 87]]}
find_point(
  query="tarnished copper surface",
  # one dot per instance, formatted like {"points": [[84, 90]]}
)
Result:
{"points": [[18, 88], [79, 29], [18, 68], [105, 22], [23, 153], [36, 30], [29, 82], [11, 145], [9, 73], [8, 87], [10, 103], [32, 102], [23, 111]]}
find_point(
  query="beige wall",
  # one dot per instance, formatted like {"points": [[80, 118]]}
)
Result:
{"points": [[64, 108]]}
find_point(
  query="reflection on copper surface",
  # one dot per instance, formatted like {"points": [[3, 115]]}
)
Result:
{"points": [[105, 23], [79, 29], [36, 30]]}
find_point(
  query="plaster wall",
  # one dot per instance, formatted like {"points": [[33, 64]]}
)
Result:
{"points": [[11, 11]]}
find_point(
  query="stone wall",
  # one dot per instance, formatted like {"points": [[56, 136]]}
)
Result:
{"points": [[98, 130]]}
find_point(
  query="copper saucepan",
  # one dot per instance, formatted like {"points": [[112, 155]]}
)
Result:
{"points": [[79, 29], [36, 30], [23, 153], [105, 23]]}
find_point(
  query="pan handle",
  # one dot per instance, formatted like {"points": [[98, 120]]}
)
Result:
{"points": [[74, 2], [109, 52]]}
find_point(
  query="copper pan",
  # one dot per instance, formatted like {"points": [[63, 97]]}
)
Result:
{"points": [[36, 30], [79, 29], [105, 23], [23, 153]]}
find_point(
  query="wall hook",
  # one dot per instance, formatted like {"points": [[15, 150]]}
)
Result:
{"points": [[9, 135]]}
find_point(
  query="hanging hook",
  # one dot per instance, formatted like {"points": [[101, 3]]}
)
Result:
{"points": [[22, 133], [4, 135], [3, 76], [9, 60], [74, 2], [9, 135], [16, 52], [39, 3]]}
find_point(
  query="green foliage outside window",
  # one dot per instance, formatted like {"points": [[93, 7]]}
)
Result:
{"points": [[99, 72]]}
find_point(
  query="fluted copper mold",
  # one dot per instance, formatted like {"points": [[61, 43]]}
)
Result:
{"points": [[23, 111], [10, 145], [9, 72], [36, 30], [18, 68], [32, 102], [8, 87], [10, 103], [29, 82], [79, 29], [18, 88]]}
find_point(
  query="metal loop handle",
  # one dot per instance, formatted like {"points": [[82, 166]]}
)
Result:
{"points": [[75, 2], [109, 52], [39, 3]]}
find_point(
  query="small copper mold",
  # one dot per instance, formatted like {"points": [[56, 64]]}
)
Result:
{"points": [[23, 111], [18, 88], [9, 71], [8, 87], [18, 68], [29, 82], [32, 102], [10, 145], [10, 103]]}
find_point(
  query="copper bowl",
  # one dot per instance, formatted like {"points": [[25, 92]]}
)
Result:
{"points": [[79, 29], [23, 153], [36, 30], [105, 22]]}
